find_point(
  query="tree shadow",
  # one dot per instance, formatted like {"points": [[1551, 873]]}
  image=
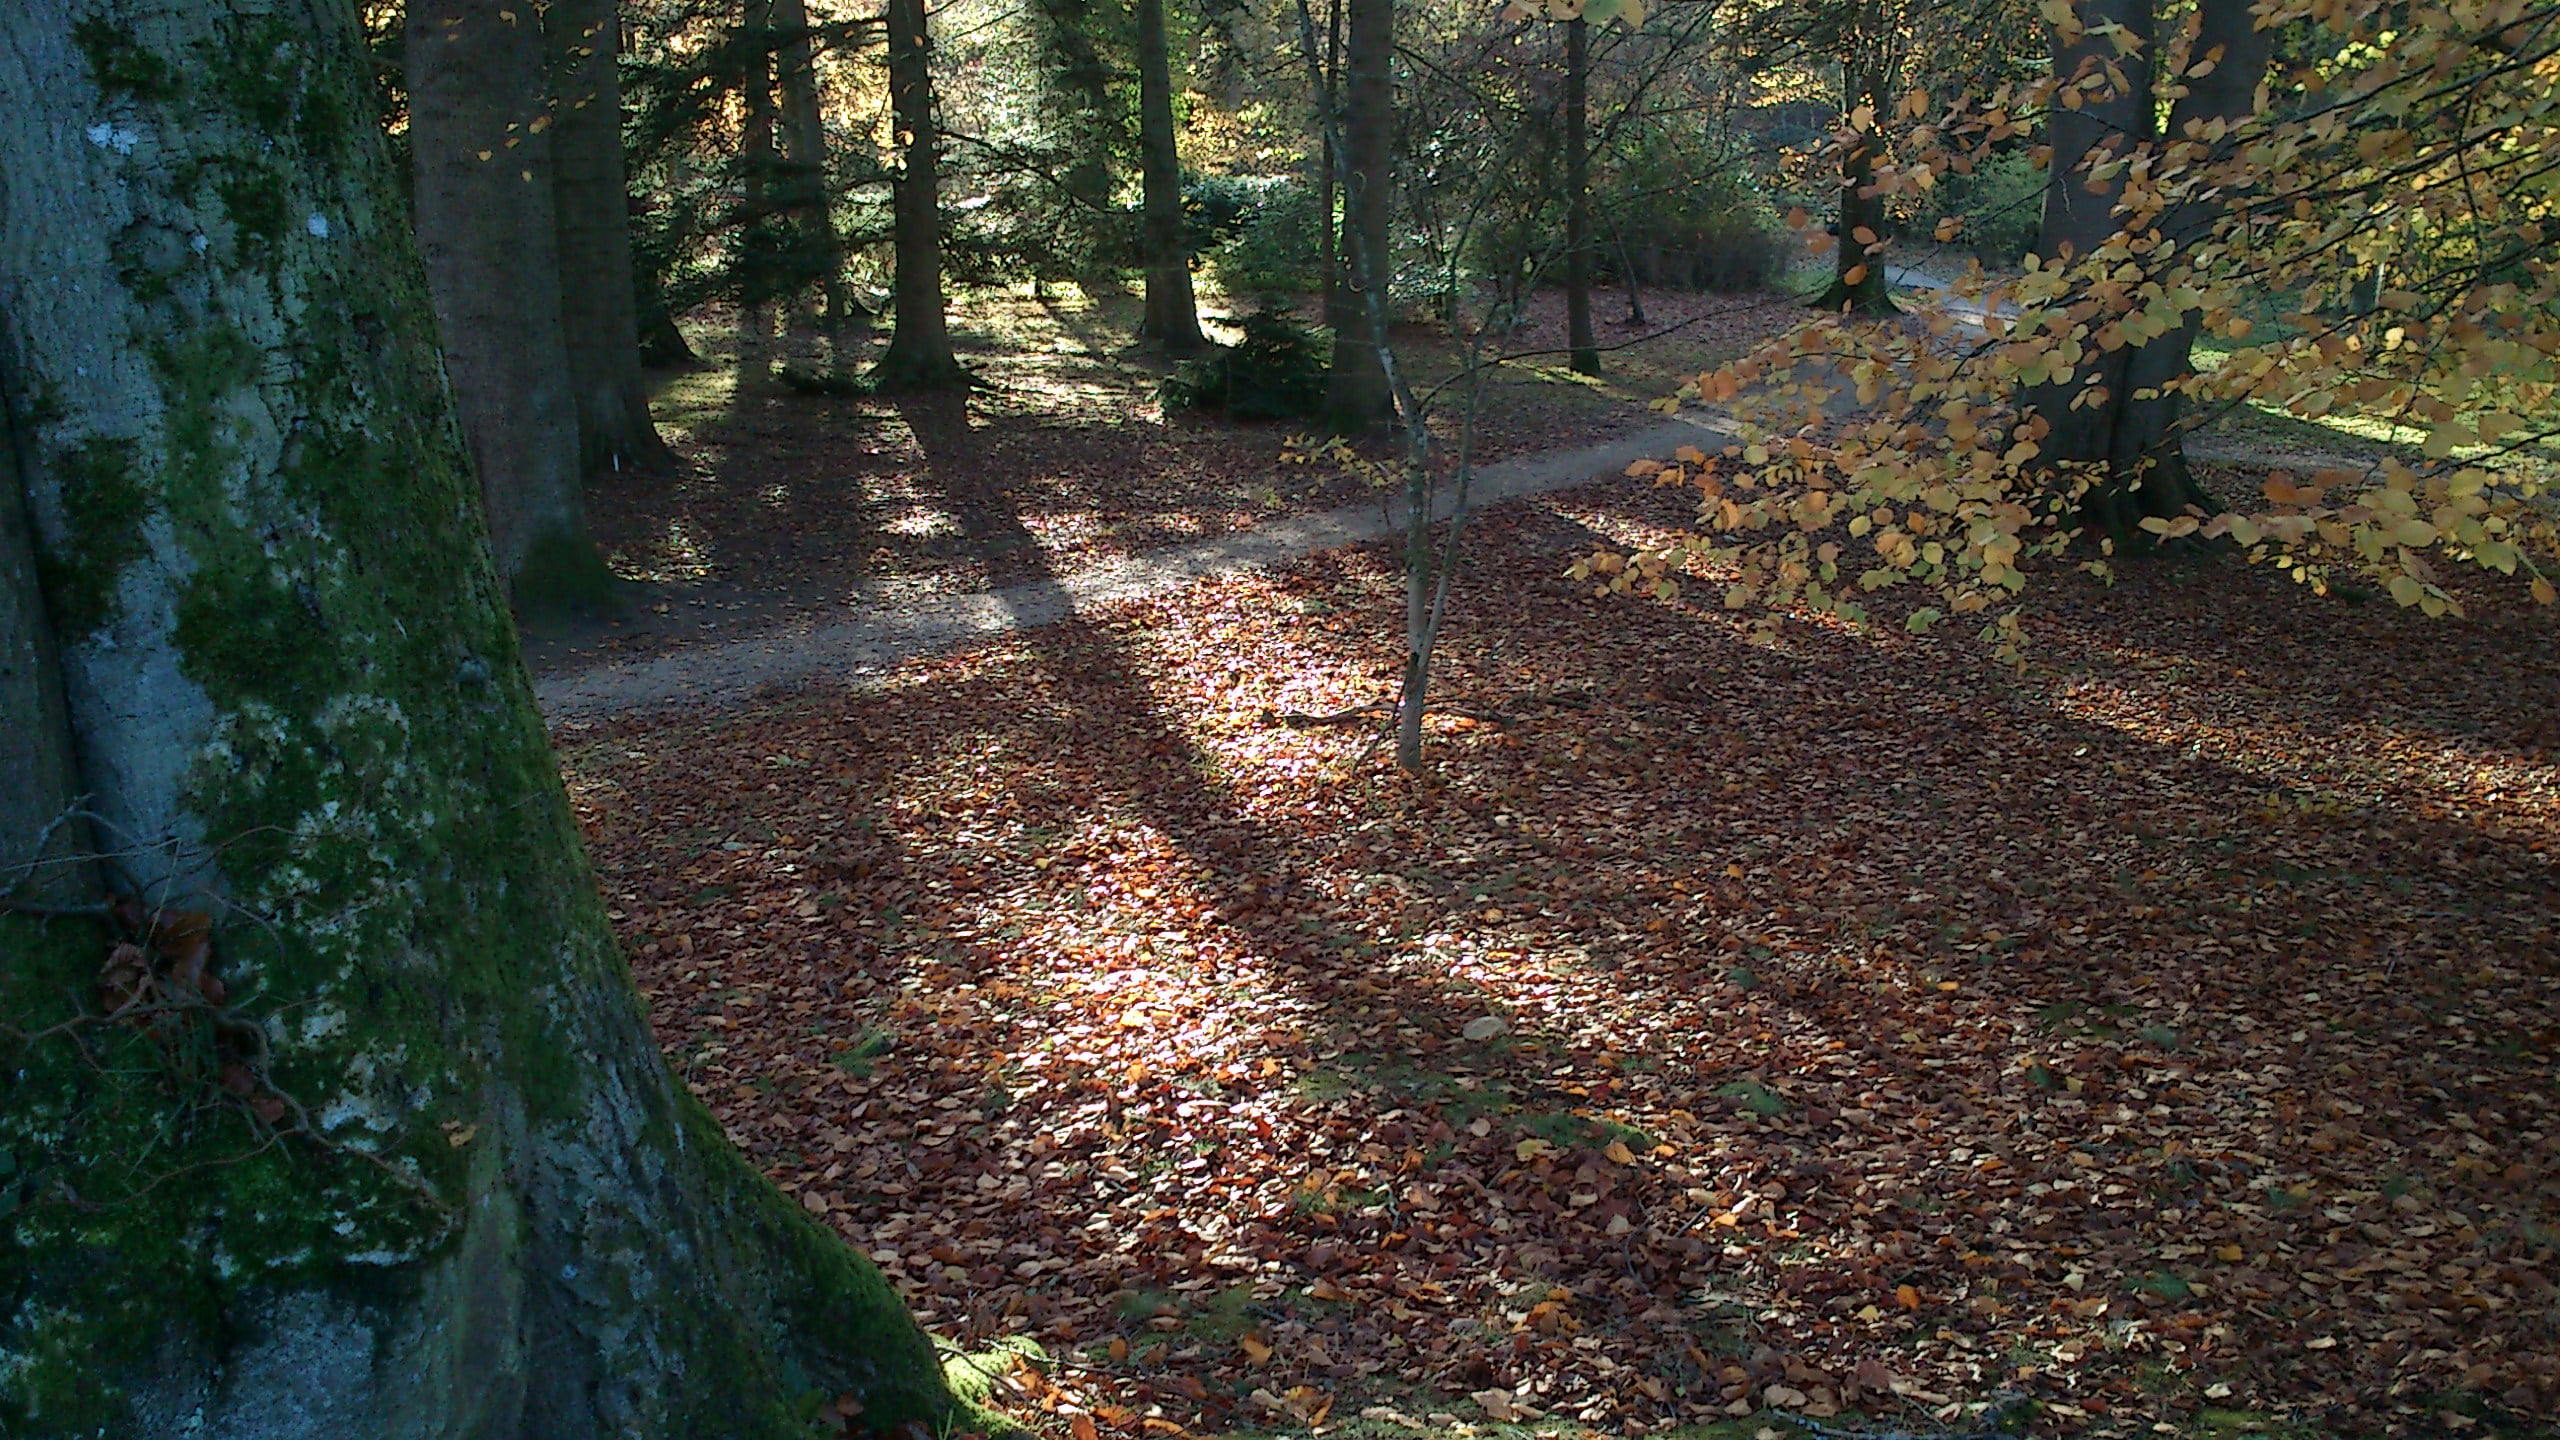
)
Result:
{"points": [[1925, 985]]}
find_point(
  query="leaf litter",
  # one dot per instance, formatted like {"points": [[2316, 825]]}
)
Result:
{"points": [[1843, 1024]]}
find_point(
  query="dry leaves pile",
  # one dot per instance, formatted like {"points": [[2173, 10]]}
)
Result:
{"points": [[1844, 1023]]}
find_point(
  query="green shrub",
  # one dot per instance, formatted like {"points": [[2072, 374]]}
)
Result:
{"points": [[1277, 372], [2000, 203], [1265, 237], [1682, 215]]}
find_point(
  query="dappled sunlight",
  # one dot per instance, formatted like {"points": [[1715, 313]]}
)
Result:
{"points": [[1714, 1018]]}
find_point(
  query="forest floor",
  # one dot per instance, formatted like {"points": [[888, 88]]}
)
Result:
{"points": [[2168, 1034], [790, 509]]}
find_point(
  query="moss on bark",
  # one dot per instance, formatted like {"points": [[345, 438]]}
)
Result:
{"points": [[474, 1174]]}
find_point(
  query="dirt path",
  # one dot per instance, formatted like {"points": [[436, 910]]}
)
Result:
{"points": [[723, 673]]}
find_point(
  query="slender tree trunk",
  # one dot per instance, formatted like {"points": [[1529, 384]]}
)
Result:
{"points": [[762, 249], [1577, 198], [599, 297], [2080, 416], [382, 1146], [1173, 314], [2148, 440], [805, 134], [487, 228], [1858, 279], [1357, 395], [1328, 196], [919, 356]]}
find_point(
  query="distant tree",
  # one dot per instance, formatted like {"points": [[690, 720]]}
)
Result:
{"points": [[1358, 394], [919, 355], [480, 143], [1172, 313], [591, 200]]}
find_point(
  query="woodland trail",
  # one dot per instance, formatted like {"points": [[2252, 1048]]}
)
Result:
{"points": [[725, 673]]}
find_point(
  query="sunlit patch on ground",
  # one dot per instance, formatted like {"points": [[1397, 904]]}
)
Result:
{"points": [[2163, 1032]]}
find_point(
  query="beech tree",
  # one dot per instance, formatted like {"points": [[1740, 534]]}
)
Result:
{"points": [[2045, 418], [331, 1108], [480, 143]]}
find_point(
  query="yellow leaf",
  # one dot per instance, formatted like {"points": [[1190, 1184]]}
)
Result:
{"points": [[1618, 1152], [1256, 1350], [2544, 593]]}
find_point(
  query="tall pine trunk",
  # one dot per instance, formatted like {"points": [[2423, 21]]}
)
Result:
{"points": [[1357, 394], [919, 355], [480, 141], [1577, 198], [591, 203], [760, 276], [386, 1151], [1173, 313], [804, 130]]}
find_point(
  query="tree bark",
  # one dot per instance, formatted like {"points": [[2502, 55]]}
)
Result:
{"points": [[804, 129], [2149, 427], [1579, 339], [1858, 280], [591, 201], [1173, 312], [1329, 96], [40, 845], [919, 356], [487, 229], [397, 1156], [1357, 394], [762, 249], [2082, 414]]}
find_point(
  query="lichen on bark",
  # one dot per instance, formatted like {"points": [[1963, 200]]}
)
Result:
{"points": [[460, 1194]]}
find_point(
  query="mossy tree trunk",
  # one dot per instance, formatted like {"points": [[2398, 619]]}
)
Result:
{"points": [[919, 355], [599, 298], [1357, 394], [480, 142], [1173, 312], [395, 1155]]}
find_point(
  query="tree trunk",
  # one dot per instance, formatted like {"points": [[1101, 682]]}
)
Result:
{"points": [[761, 246], [804, 129], [1173, 314], [1328, 196], [2149, 440], [1357, 395], [40, 845], [599, 297], [919, 355], [487, 229], [396, 1156], [1858, 279], [1577, 198], [2082, 415]]}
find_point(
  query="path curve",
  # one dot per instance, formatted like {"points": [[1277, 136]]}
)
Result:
{"points": [[726, 673]]}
